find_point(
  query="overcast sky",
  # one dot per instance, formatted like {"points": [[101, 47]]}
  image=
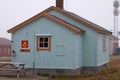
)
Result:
{"points": [[13, 12]]}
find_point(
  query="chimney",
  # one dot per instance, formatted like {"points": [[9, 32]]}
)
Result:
{"points": [[59, 4]]}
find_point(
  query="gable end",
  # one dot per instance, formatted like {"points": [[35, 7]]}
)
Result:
{"points": [[66, 25], [73, 28], [83, 21]]}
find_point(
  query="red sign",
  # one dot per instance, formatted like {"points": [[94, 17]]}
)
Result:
{"points": [[24, 43], [24, 50]]}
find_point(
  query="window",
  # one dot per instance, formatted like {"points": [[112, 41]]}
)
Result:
{"points": [[104, 42], [43, 43]]}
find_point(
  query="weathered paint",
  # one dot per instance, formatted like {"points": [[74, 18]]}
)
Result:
{"points": [[68, 50], [90, 41], [48, 59], [103, 56]]}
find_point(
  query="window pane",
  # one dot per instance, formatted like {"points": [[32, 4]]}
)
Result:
{"points": [[45, 44], [45, 39], [41, 45], [41, 40]]}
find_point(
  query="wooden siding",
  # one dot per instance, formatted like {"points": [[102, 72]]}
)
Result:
{"points": [[5, 51]]}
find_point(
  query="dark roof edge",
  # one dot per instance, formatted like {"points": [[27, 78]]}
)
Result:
{"points": [[77, 19], [61, 11], [70, 27]]}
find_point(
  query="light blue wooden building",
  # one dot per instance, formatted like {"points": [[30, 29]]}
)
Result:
{"points": [[56, 39]]}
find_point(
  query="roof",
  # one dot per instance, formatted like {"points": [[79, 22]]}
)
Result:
{"points": [[89, 22], [4, 41], [114, 37], [64, 23], [69, 26]]}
